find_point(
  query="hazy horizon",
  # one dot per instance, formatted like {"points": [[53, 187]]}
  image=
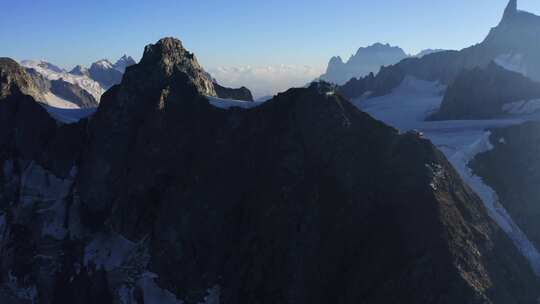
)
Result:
{"points": [[270, 45]]}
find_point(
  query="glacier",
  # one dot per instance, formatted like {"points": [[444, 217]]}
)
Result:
{"points": [[406, 109]]}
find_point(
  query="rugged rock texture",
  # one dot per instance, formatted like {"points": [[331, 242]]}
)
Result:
{"points": [[172, 58], [512, 169], [303, 199], [366, 60], [511, 39], [41, 82], [482, 93], [242, 93], [13, 77]]}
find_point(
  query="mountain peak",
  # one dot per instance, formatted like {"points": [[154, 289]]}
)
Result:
{"points": [[103, 63], [511, 9], [167, 50], [170, 56], [124, 62]]}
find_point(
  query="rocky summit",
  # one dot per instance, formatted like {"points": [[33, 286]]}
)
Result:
{"points": [[161, 197]]}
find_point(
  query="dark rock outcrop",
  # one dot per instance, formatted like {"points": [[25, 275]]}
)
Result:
{"points": [[242, 93], [482, 93], [512, 169]]}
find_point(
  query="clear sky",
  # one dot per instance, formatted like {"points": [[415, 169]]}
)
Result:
{"points": [[242, 32]]}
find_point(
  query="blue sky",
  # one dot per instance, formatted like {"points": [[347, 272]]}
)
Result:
{"points": [[243, 32]]}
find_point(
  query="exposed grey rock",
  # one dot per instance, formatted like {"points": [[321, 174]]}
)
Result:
{"points": [[13, 78]]}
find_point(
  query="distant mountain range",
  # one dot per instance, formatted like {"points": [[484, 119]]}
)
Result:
{"points": [[508, 45], [83, 87], [170, 188], [80, 87], [366, 60]]}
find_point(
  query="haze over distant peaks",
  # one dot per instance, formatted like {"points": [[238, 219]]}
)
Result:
{"points": [[124, 62], [366, 60]]}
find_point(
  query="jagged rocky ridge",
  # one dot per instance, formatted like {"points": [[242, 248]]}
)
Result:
{"points": [[483, 93], [508, 41], [303, 199]]}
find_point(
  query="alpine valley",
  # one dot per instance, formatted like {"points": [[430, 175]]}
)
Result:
{"points": [[151, 183]]}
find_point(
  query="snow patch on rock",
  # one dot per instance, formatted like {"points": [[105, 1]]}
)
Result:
{"points": [[231, 103], [58, 102], [522, 107], [512, 62], [153, 294]]}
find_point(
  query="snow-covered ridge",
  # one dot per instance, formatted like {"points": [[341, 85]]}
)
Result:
{"points": [[406, 109], [104, 63], [83, 81]]}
